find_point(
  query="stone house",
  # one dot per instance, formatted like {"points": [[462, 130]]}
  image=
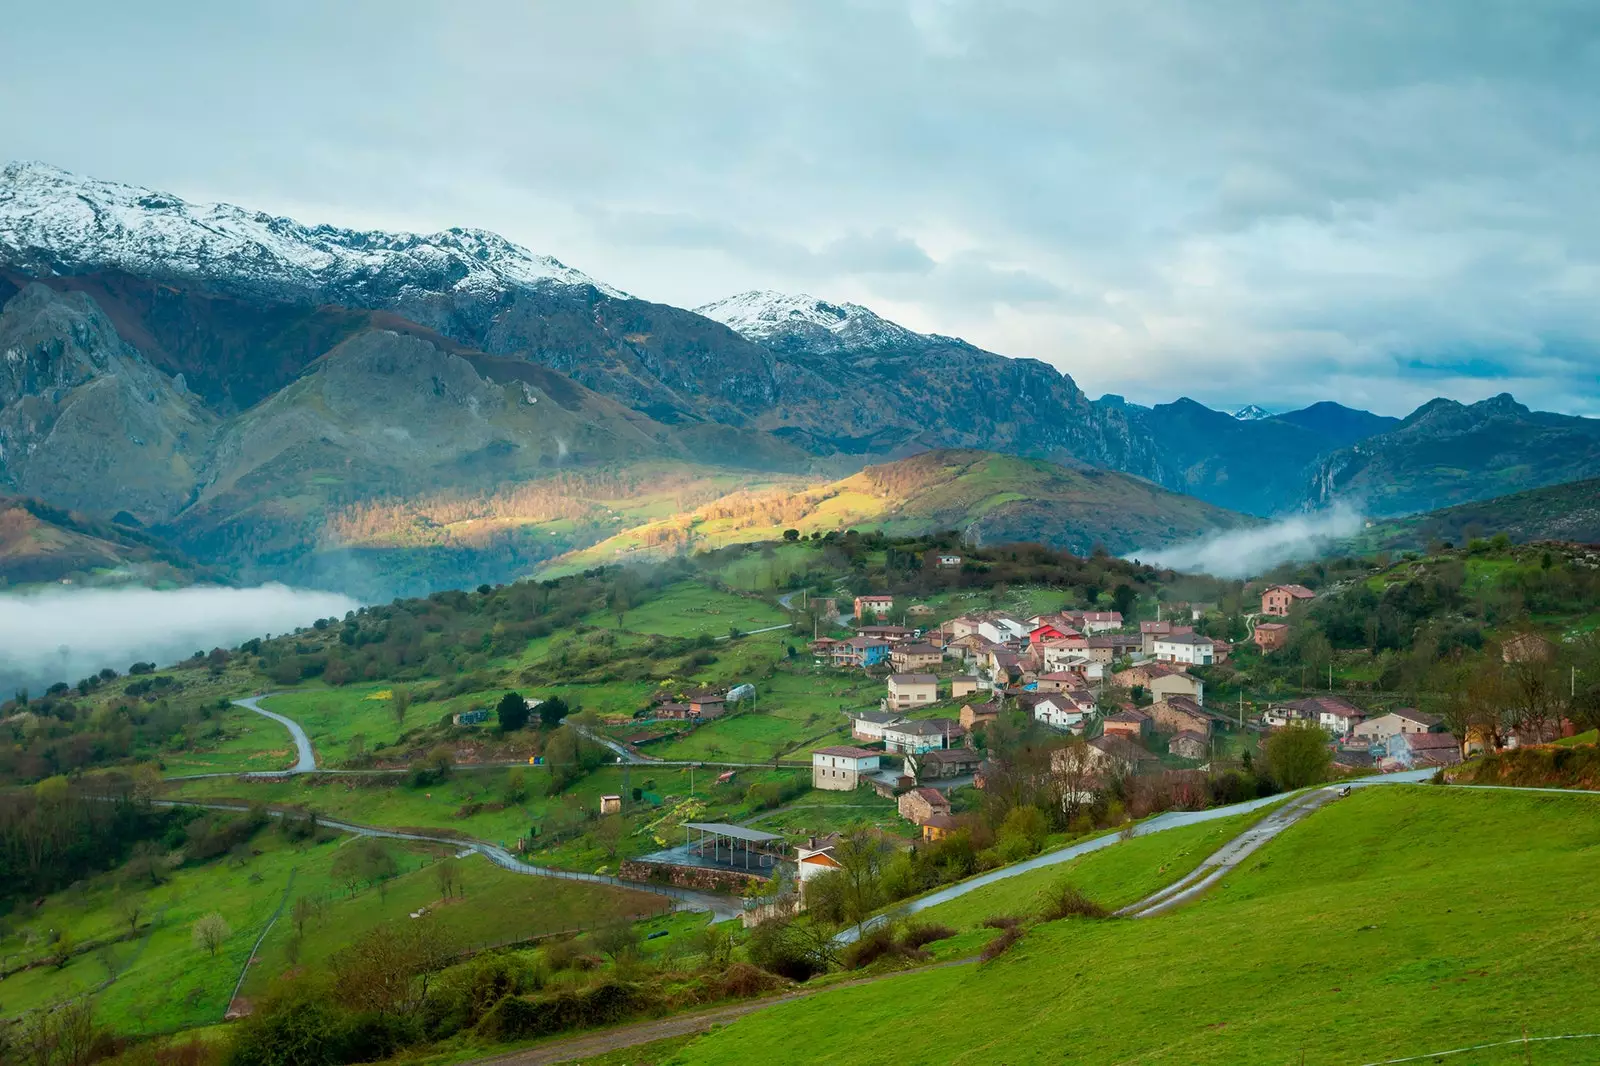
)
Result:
{"points": [[920, 804], [1130, 722], [1187, 744], [1177, 714]]}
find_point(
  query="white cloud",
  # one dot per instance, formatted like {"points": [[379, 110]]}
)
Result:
{"points": [[65, 634], [1232, 200], [1248, 552]]}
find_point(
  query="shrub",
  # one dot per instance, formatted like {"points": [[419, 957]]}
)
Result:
{"points": [[872, 945], [1066, 900], [744, 981], [1002, 922], [915, 936], [1001, 944], [516, 1017]]}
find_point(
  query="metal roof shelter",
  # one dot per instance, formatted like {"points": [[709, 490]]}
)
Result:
{"points": [[734, 834]]}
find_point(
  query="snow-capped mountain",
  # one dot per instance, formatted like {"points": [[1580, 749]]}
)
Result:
{"points": [[1251, 413], [55, 222], [799, 321]]}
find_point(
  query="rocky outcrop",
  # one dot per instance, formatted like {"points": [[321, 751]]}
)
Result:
{"points": [[85, 422]]}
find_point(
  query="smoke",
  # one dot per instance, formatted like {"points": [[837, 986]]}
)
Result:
{"points": [[63, 634], [1247, 552]]}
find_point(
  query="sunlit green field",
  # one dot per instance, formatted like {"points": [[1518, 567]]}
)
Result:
{"points": [[1400, 921]]}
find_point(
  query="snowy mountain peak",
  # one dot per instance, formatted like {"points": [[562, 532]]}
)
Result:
{"points": [[1251, 413], [56, 222], [805, 321]]}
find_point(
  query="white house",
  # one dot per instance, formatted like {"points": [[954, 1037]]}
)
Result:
{"points": [[1101, 621], [841, 767], [1001, 630], [869, 725], [814, 862], [1059, 712], [914, 738], [1340, 721], [1189, 648]]}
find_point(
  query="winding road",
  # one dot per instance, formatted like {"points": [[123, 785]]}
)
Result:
{"points": [[721, 908], [306, 763]]}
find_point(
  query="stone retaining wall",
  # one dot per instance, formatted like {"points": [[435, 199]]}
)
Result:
{"points": [[699, 878]]}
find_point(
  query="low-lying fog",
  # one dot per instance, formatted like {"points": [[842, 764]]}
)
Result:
{"points": [[1248, 552], [63, 634]]}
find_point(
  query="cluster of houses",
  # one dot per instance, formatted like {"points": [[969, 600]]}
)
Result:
{"points": [[1402, 739], [1052, 666]]}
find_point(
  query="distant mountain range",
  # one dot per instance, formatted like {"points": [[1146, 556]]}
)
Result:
{"points": [[1569, 512], [235, 381]]}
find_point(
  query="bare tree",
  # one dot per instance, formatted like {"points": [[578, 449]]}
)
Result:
{"points": [[210, 932], [129, 907], [447, 874], [609, 833]]}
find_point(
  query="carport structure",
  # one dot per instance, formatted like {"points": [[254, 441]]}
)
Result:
{"points": [[728, 841]]}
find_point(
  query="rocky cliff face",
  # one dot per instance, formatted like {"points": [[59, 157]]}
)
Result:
{"points": [[85, 422], [1446, 453]]}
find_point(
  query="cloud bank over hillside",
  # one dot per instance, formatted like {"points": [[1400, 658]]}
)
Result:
{"points": [[1248, 552], [65, 634]]}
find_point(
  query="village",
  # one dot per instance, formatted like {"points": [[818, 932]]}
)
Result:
{"points": [[1124, 700]]}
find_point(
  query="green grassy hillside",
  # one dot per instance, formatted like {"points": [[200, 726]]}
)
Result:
{"points": [[992, 498], [1569, 512], [1371, 930], [43, 544]]}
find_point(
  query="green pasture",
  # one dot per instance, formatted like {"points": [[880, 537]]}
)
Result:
{"points": [[1401, 921]]}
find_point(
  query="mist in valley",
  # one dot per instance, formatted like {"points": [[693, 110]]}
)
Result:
{"points": [[1248, 552], [63, 634]]}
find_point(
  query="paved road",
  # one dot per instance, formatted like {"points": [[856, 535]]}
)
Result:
{"points": [[721, 908], [307, 761], [1160, 823]]}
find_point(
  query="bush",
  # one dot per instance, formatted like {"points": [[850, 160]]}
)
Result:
{"points": [[916, 936], [516, 1017], [744, 981], [872, 945], [295, 1025], [1066, 900], [1002, 922], [1001, 944]]}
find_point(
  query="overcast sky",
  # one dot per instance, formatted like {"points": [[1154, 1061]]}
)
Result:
{"points": [[1371, 202]]}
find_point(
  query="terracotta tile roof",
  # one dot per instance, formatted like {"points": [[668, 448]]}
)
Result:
{"points": [[847, 752]]}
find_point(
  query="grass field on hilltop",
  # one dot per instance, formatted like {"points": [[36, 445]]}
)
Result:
{"points": [[1399, 921], [689, 609]]}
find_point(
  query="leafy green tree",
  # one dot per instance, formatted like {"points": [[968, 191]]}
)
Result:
{"points": [[1298, 755], [512, 712], [552, 711]]}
